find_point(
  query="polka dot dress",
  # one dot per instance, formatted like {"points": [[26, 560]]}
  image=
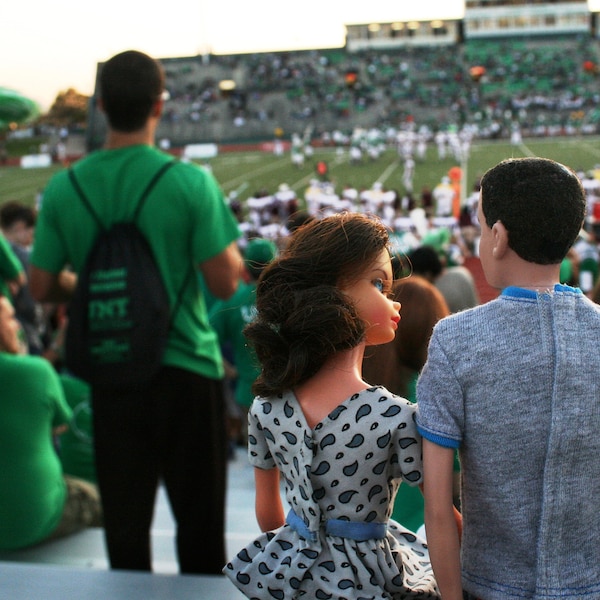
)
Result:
{"points": [[347, 468]]}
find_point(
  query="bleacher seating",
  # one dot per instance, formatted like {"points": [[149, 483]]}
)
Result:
{"points": [[77, 567], [22, 581], [547, 85]]}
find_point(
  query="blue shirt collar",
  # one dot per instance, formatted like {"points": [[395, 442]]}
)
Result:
{"points": [[519, 292]]}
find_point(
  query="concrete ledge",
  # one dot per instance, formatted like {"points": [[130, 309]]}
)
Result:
{"points": [[83, 554], [82, 549], [86, 549], [26, 581]]}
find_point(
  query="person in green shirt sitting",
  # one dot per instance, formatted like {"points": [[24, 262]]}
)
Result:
{"points": [[38, 502]]}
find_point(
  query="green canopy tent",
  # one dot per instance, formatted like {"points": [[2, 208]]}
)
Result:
{"points": [[16, 108]]}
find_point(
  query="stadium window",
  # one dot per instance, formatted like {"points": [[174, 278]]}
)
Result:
{"points": [[373, 30], [357, 32], [397, 29], [438, 28], [412, 28]]}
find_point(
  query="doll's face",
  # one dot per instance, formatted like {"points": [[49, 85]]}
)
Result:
{"points": [[371, 295]]}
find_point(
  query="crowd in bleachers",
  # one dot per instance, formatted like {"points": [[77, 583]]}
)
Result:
{"points": [[436, 222], [541, 86], [433, 216]]}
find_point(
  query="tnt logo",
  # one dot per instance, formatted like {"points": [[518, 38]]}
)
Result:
{"points": [[101, 310]]}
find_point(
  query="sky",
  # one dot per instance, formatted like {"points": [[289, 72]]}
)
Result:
{"points": [[48, 47]]}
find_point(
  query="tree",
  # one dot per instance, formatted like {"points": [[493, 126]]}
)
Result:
{"points": [[70, 108]]}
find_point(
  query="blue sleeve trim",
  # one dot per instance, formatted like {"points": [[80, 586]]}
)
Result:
{"points": [[438, 439]]}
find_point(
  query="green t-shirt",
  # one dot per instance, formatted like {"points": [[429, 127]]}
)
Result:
{"points": [[185, 220], [229, 317], [77, 443], [32, 489], [10, 266]]}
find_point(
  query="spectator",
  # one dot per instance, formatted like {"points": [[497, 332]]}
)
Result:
{"points": [[172, 429], [76, 450], [443, 198], [12, 275], [229, 317], [456, 283], [588, 257], [397, 365], [17, 221], [37, 502]]}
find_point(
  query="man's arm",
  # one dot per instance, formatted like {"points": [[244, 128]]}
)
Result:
{"points": [[222, 272], [14, 285], [51, 287], [443, 537]]}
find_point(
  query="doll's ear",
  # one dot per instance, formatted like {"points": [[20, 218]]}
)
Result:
{"points": [[500, 237]]}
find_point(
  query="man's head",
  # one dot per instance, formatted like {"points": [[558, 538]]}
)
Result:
{"points": [[425, 261], [541, 204], [259, 253], [17, 221], [131, 83]]}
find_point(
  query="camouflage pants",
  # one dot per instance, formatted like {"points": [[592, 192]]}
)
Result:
{"points": [[82, 508]]}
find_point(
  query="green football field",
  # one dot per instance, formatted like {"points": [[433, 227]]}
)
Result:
{"points": [[247, 172]]}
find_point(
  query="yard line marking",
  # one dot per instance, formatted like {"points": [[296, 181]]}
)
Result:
{"points": [[589, 148], [526, 150], [266, 169], [388, 171]]}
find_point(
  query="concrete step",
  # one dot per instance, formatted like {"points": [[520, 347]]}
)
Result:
{"points": [[26, 581], [85, 549]]}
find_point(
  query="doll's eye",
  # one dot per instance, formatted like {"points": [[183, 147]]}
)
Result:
{"points": [[385, 287]]}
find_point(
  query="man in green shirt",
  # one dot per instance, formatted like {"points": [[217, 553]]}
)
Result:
{"points": [[12, 276], [229, 317], [174, 428]]}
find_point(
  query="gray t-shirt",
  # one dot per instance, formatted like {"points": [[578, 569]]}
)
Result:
{"points": [[515, 385]]}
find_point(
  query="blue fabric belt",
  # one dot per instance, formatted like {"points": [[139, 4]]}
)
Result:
{"points": [[354, 530]]}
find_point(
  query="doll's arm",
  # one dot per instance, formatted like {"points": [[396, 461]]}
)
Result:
{"points": [[268, 505], [441, 522]]}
